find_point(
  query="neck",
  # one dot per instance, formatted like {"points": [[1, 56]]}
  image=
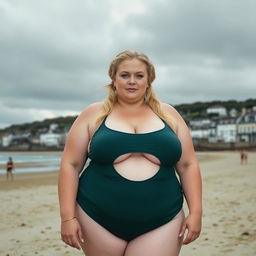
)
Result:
{"points": [[131, 105]]}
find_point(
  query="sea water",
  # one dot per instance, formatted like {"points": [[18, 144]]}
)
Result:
{"points": [[37, 162]]}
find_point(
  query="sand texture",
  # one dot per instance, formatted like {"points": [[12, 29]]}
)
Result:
{"points": [[29, 213]]}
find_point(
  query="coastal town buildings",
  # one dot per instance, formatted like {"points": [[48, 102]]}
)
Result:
{"points": [[233, 113], [217, 109], [200, 122], [53, 137], [246, 128], [227, 130], [229, 127], [50, 139], [10, 139], [198, 133], [6, 140], [216, 125]]}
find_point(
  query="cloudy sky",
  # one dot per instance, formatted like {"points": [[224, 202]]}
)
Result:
{"points": [[54, 54]]}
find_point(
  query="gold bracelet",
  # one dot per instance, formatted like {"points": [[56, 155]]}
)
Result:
{"points": [[68, 220]]}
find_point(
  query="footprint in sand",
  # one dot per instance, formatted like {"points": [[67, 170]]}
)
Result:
{"points": [[234, 203], [227, 250], [250, 218]]}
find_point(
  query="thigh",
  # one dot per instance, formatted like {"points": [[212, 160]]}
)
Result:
{"points": [[98, 240], [162, 241]]}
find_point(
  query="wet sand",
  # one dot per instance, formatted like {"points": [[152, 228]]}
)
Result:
{"points": [[30, 213]]}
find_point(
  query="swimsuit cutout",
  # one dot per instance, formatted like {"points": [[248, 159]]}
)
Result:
{"points": [[129, 208]]}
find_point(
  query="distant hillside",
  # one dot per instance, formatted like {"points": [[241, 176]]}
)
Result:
{"points": [[190, 110], [200, 107], [63, 123]]}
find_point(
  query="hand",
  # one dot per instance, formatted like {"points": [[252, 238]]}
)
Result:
{"points": [[193, 225], [71, 233]]}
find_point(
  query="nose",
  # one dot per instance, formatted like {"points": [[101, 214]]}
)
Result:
{"points": [[132, 80]]}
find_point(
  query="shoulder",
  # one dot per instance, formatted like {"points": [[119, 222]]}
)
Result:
{"points": [[171, 111], [80, 129], [91, 111], [88, 115], [175, 116], [93, 108]]}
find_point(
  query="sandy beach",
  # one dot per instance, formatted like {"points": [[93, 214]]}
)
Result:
{"points": [[30, 214]]}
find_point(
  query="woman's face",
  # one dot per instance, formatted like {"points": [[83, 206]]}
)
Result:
{"points": [[131, 80]]}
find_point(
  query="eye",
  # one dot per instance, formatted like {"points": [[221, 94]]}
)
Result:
{"points": [[124, 75], [139, 76]]}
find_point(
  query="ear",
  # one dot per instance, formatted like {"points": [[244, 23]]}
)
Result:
{"points": [[113, 85]]}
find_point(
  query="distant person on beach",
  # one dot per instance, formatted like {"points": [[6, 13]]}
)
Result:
{"points": [[9, 168], [128, 200], [243, 157]]}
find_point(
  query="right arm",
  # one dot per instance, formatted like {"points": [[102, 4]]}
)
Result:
{"points": [[72, 162]]}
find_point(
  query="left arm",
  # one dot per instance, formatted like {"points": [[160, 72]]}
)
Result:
{"points": [[190, 178]]}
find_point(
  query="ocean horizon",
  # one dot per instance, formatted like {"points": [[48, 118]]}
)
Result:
{"points": [[36, 161]]}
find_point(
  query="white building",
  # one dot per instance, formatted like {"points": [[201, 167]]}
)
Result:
{"points": [[233, 112], [200, 122], [50, 139], [203, 128], [10, 139], [247, 127], [200, 133], [227, 130], [53, 127], [222, 111], [6, 140]]}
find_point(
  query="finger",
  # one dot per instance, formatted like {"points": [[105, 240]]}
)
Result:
{"points": [[76, 241], [76, 244], [65, 239], [188, 238], [68, 239], [195, 236], [183, 228], [80, 235]]}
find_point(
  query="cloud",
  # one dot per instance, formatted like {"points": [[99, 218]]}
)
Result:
{"points": [[176, 30], [54, 55]]}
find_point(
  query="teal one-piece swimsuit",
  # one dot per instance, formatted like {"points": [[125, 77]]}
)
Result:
{"points": [[129, 208]]}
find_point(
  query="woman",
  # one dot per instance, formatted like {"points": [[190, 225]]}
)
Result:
{"points": [[128, 201], [9, 168]]}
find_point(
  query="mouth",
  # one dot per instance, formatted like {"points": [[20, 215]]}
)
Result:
{"points": [[131, 89]]}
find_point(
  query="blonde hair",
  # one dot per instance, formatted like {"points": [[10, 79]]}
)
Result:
{"points": [[150, 97]]}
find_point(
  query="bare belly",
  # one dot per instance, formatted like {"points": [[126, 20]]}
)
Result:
{"points": [[137, 166]]}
